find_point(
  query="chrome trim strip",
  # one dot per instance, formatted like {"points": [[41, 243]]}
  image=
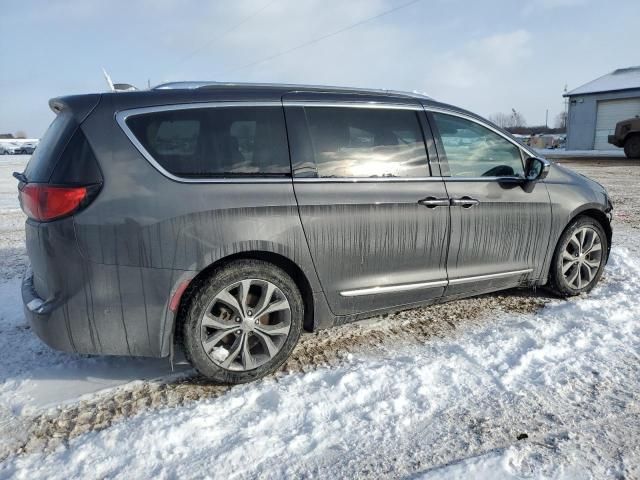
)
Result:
{"points": [[365, 179], [122, 116], [393, 288], [353, 104], [479, 122], [403, 179], [438, 283], [490, 276]]}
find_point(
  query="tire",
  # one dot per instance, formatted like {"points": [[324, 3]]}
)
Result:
{"points": [[569, 259], [632, 147], [218, 323]]}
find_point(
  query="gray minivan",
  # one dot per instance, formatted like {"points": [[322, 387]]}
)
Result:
{"points": [[228, 218]]}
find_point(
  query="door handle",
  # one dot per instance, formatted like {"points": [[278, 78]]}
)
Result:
{"points": [[433, 202], [464, 202]]}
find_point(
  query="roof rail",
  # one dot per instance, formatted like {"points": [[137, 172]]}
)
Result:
{"points": [[192, 85]]}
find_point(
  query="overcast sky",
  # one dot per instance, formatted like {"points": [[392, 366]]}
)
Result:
{"points": [[487, 56]]}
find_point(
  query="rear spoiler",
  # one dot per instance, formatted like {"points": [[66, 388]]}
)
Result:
{"points": [[80, 106]]}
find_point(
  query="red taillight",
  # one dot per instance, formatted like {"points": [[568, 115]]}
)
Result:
{"points": [[43, 202]]}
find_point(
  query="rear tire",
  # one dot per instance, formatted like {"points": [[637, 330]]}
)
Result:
{"points": [[243, 322], [579, 258], [632, 147]]}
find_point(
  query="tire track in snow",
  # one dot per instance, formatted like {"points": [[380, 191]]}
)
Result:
{"points": [[49, 430]]}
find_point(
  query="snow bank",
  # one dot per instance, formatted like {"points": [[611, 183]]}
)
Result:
{"points": [[567, 377]]}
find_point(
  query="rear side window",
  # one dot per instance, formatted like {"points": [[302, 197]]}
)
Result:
{"points": [[366, 142], [51, 146], [472, 150], [215, 142]]}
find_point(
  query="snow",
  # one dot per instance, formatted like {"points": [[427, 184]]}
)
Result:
{"points": [[621, 79], [8, 184], [568, 377]]}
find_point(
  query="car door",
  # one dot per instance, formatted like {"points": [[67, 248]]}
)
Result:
{"points": [[500, 230], [376, 221]]}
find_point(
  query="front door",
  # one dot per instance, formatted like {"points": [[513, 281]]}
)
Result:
{"points": [[375, 220], [499, 232]]}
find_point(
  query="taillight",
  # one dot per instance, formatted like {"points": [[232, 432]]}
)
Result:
{"points": [[43, 202]]}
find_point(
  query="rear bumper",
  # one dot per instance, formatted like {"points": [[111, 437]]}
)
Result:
{"points": [[45, 317]]}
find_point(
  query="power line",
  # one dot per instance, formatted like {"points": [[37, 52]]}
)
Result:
{"points": [[323, 37], [223, 34]]}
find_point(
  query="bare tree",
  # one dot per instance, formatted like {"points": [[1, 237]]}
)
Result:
{"points": [[509, 120], [20, 134], [517, 119], [500, 119], [561, 120]]}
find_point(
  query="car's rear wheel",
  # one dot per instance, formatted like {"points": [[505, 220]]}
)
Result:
{"points": [[579, 258], [632, 147], [244, 322]]}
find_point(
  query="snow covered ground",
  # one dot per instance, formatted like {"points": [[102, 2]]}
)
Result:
{"points": [[553, 394]]}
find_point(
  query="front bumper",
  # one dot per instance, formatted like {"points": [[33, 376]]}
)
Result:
{"points": [[613, 140]]}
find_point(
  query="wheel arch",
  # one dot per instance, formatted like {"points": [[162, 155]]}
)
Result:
{"points": [[593, 211], [279, 260], [599, 216]]}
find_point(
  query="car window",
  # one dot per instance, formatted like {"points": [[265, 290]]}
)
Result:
{"points": [[215, 142], [472, 150], [366, 142]]}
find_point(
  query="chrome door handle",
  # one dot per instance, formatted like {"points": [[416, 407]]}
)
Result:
{"points": [[433, 202], [464, 202]]}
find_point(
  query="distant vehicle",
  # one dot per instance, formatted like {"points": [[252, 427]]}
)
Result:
{"points": [[12, 149], [28, 149], [17, 148], [227, 219], [627, 136]]}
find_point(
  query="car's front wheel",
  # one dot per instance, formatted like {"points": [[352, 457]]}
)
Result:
{"points": [[244, 322], [579, 258]]}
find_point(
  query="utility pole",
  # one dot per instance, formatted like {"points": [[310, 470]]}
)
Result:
{"points": [[546, 119]]}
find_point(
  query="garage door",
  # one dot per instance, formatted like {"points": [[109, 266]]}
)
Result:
{"points": [[611, 112]]}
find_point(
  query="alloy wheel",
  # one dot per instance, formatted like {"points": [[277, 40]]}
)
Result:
{"points": [[245, 325], [582, 258]]}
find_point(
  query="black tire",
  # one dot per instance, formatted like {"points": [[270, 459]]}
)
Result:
{"points": [[632, 147], [558, 284], [220, 279]]}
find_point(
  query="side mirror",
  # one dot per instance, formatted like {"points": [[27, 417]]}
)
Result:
{"points": [[536, 169]]}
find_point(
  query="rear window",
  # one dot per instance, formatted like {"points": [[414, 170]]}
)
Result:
{"points": [[215, 142], [51, 146]]}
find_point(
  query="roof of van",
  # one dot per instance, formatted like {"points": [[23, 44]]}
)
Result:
{"points": [[285, 88]]}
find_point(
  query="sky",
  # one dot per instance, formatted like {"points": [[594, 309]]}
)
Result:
{"points": [[487, 56]]}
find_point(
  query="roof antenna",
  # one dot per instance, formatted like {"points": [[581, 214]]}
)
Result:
{"points": [[108, 79], [117, 87]]}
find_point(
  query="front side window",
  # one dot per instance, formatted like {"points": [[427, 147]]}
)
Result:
{"points": [[366, 142], [215, 142], [472, 150]]}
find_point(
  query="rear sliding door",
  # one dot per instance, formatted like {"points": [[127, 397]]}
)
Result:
{"points": [[376, 221]]}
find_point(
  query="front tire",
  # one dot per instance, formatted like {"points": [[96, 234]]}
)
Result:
{"points": [[579, 258], [243, 322], [632, 147]]}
